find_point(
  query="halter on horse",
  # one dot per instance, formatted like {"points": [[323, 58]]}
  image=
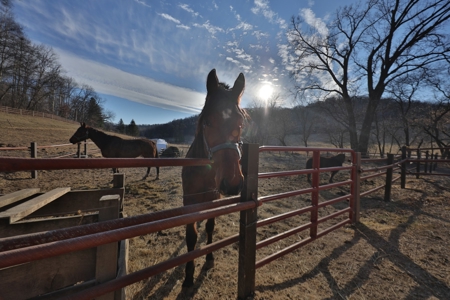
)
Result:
{"points": [[217, 138]]}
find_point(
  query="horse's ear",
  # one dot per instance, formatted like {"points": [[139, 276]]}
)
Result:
{"points": [[239, 84], [212, 83], [82, 124]]}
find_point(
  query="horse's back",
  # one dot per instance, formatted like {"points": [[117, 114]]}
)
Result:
{"points": [[326, 162], [122, 148]]}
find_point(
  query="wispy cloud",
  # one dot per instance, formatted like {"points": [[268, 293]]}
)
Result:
{"points": [[184, 27], [262, 7], [310, 18], [142, 3], [112, 81], [170, 18], [210, 28], [189, 10]]}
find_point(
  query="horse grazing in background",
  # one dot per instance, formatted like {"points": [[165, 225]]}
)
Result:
{"points": [[217, 138], [327, 162], [115, 147]]}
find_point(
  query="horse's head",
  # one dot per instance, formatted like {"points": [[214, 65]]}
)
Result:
{"points": [[220, 123], [81, 134]]}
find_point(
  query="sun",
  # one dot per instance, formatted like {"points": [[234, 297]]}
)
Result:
{"points": [[265, 92]]}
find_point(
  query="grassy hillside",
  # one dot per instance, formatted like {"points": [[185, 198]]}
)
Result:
{"points": [[19, 131]]}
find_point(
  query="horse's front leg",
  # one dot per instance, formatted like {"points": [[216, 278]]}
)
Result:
{"points": [[191, 241], [148, 172], [209, 231], [332, 175]]}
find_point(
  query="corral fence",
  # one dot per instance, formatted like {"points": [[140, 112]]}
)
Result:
{"points": [[22, 249], [33, 151], [425, 161], [25, 112]]}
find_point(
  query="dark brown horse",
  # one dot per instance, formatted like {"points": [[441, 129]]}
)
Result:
{"points": [[115, 147], [217, 138], [327, 162]]}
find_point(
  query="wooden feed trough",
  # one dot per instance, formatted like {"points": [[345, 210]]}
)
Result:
{"points": [[29, 211]]}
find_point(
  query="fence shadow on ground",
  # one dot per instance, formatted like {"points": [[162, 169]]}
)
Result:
{"points": [[427, 285]]}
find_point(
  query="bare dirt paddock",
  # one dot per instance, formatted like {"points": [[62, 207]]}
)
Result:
{"points": [[399, 250]]}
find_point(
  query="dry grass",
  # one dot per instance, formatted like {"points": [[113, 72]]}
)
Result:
{"points": [[398, 251]]}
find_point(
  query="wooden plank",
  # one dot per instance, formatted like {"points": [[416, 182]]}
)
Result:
{"points": [[17, 196], [76, 200], [22, 210]]}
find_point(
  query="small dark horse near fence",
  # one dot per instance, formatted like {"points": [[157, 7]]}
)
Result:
{"points": [[327, 162], [218, 138], [115, 147]]}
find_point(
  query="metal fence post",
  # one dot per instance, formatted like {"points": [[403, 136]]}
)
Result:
{"points": [[356, 188], [247, 223], [315, 194], [85, 149], [419, 154], [78, 150], [403, 174], [33, 150], [388, 188], [425, 168]]}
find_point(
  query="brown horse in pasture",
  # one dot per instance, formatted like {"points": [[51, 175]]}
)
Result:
{"points": [[115, 147], [327, 162], [217, 138]]}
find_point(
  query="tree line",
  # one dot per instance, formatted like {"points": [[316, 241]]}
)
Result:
{"points": [[32, 78]]}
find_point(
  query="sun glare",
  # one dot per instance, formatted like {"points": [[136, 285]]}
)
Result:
{"points": [[265, 92]]}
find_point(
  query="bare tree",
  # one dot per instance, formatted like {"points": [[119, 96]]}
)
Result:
{"points": [[367, 47]]}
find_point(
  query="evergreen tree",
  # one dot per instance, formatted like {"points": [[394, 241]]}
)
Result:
{"points": [[94, 115], [120, 127], [132, 129]]}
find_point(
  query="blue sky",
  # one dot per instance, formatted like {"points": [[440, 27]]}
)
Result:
{"points": [[148, 60]]}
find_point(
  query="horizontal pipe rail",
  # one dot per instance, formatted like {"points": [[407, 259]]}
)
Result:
{"points": [[372, 190], [373, 175], [282, 235], [8, 164], [333, 201], [378, 168], [23, 255], [364, 160], [32, 239], [300, 172], [304, 149], [333, 215], [268, 198], [284, 216]]}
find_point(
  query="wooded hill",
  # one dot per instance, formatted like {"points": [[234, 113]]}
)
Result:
{"points": [[397, 123]]}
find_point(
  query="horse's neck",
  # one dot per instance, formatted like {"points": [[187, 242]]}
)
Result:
{"points": [[194, 175], [99, 138]]}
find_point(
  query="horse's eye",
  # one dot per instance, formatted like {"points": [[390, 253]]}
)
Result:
{"points": [[208, 123]]}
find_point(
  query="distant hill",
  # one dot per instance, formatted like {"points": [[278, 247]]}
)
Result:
{"points": [[176, 131]]}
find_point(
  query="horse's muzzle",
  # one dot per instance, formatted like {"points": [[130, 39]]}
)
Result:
{"points": [[229, 190]]}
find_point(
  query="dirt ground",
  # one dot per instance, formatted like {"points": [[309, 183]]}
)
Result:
{"points": [[399, 250]]}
